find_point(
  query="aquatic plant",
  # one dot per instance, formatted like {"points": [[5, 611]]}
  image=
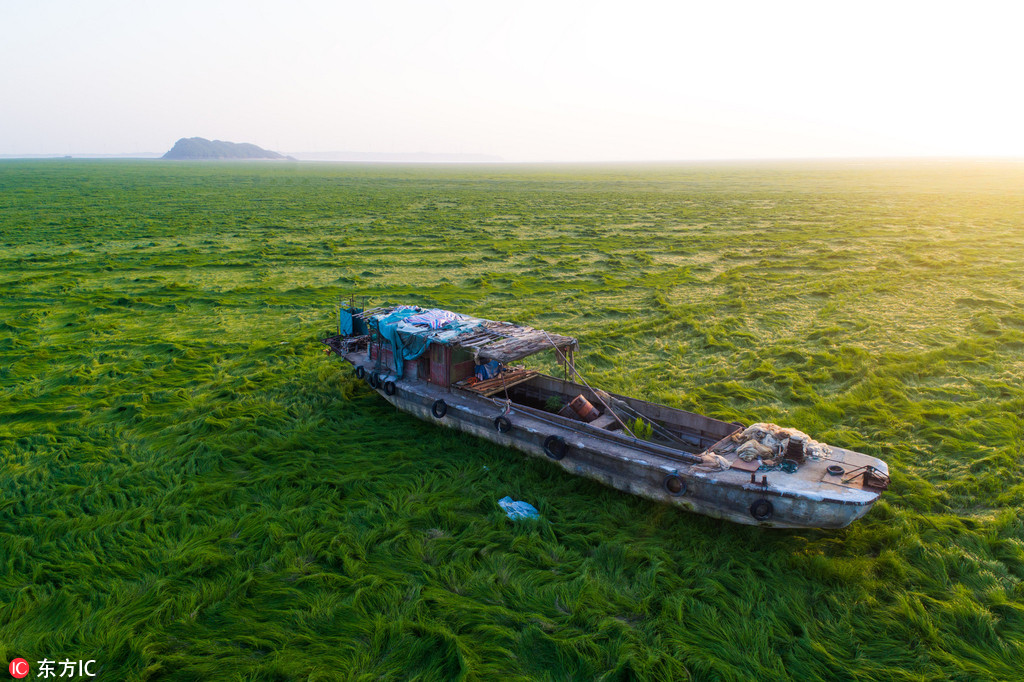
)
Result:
{"points": [[189, 489], [554, 403], [641, 429]]}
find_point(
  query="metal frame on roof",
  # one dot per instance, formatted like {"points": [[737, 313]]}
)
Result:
{"points": [[506, 342]]}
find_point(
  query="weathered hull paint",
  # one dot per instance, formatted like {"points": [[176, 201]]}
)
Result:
{"points": [[726, 495]]}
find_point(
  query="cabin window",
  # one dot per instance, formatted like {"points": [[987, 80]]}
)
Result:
{"points": [[462, 364]]}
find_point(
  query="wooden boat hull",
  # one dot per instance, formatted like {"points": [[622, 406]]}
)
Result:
{"points": [[641, 468]]}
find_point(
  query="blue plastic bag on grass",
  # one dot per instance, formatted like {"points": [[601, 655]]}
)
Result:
{"points": [[518, 510]]}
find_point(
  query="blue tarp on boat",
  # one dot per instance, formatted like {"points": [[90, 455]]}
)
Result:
{"points": [[349, 324], [405, 346]]}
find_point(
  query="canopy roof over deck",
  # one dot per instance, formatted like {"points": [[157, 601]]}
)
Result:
{"points": [[412, 329]]}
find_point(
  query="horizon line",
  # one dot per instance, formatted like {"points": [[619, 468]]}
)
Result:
{"points": [[469, 160]]}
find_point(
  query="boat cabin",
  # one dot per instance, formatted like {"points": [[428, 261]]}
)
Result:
{"points": [[446, 348]]}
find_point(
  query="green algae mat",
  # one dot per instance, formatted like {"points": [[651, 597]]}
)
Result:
{"points": [[191, 490]]}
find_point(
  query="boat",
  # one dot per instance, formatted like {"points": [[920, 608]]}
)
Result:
{"points": [[459, 371]]}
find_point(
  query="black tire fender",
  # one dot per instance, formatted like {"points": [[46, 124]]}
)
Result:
{"points": [[555, 447], [374, 380], [762, 510], [360, 372], [439, 409], [674, 485], [503, 424], [389, 387]]}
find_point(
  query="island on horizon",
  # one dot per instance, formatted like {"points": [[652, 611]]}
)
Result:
{"points": [[201, 149]]}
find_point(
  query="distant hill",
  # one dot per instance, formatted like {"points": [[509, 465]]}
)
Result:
{"points": [[200, 149]]}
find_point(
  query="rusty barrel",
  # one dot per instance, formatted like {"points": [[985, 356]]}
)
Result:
{"points": [[583, 408]]}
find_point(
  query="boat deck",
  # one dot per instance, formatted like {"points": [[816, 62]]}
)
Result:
{"points": [[811, 479]]}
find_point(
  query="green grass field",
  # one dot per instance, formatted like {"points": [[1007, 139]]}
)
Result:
{"points": [[191, 490]]}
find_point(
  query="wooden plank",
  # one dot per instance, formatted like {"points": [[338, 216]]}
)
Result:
{"points": [[476, 343], [498, 384], [605, 421], [508, 383], [502, 380]]}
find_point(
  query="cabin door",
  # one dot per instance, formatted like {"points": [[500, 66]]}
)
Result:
{"points": [[440, 362]]}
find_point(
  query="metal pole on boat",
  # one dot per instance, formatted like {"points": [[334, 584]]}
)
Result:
{"points": [[596, 395]]}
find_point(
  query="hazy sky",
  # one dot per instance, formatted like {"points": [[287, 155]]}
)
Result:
{"points": [[523, 80]]}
